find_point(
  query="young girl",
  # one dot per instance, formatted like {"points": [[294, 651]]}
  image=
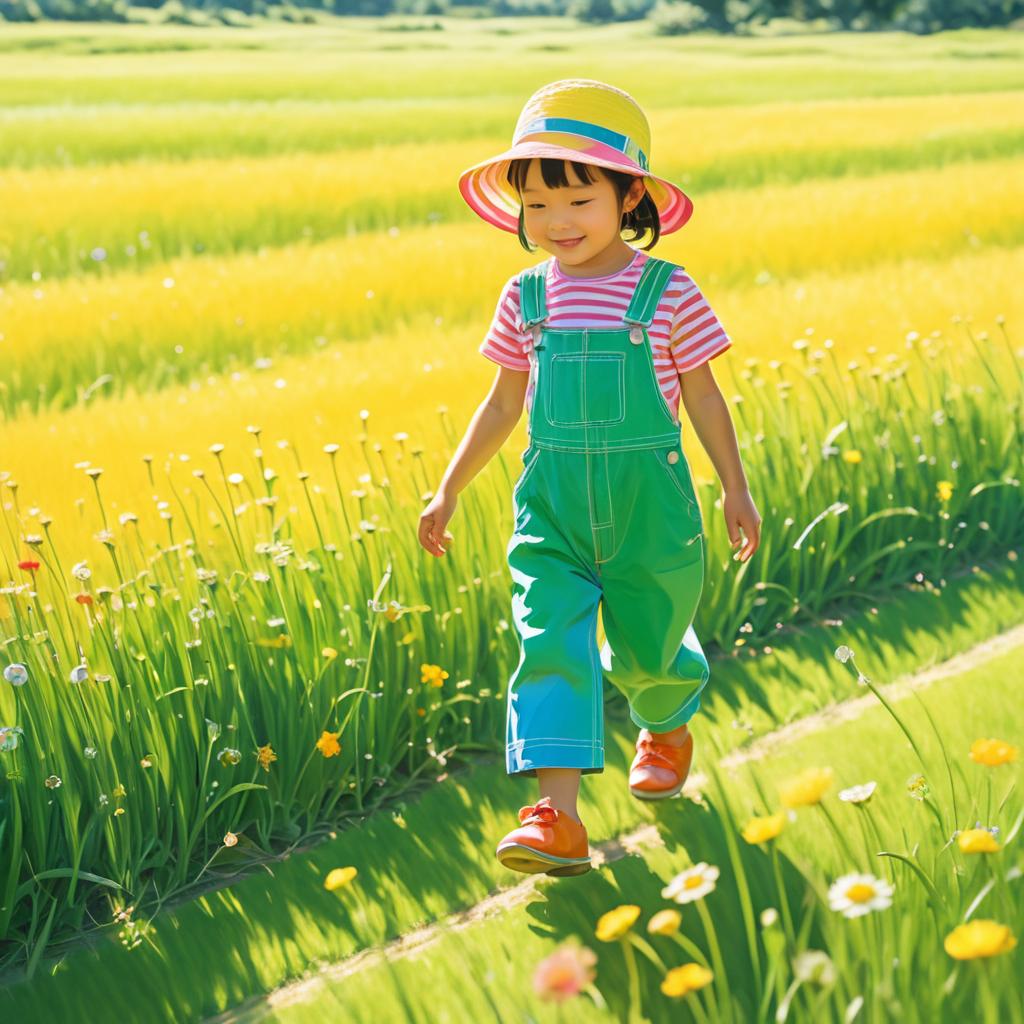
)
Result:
{"points": [[599, 342]]}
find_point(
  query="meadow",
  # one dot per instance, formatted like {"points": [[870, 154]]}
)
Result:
{"points": [[240, 299]]}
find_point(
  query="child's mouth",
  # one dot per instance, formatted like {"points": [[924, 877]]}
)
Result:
{"points": [[569, 243]]}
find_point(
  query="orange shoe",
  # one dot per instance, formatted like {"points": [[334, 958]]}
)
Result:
{"points": [[548, 840], [660, 769]]}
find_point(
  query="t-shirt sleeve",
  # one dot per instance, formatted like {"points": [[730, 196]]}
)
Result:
{"points": [[697, 334], [506, 341]]}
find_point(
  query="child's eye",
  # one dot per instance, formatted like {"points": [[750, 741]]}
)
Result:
{"points": [[537, 206]]}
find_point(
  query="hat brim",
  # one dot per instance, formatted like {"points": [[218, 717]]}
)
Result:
{"points": [[489, 194]]}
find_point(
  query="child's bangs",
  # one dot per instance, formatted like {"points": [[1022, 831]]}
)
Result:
{"points": [[552, 171]]}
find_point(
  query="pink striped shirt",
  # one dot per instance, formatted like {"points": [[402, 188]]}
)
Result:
{"points": [[684, 334]]}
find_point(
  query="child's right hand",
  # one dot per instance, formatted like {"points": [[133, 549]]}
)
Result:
{"points": [[433, 521]]}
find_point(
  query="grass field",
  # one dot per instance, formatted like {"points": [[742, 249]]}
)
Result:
{"points": [[217, 251]]}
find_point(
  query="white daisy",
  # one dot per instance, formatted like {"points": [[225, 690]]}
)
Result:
{"points": [[854, 895], [858, 794], [692, 884]]}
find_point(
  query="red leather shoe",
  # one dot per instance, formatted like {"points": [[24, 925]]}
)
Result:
{"points": [[659, 770], [548, 840]]}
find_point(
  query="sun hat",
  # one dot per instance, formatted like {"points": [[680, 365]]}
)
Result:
{"points": [[574, 119]]}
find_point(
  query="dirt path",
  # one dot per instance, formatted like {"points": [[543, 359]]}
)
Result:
{"points": [[644, 837]]}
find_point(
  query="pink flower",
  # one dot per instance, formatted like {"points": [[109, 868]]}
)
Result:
{"points": [[565, 973]]}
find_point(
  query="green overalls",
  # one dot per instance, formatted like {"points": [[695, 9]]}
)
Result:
{"points": [[605, 513]]}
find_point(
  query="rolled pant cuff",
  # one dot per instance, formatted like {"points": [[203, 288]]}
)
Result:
{"points": [[526, 756], [680, 717]]}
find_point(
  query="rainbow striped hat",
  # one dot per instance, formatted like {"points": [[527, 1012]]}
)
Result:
{"points": [[574, 119]]}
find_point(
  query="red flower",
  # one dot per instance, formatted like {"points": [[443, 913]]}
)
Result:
{"points": [[83, 598], [28, 565]]}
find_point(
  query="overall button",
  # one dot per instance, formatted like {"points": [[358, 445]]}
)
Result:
{"points": [[673, 457], [636, 334]]}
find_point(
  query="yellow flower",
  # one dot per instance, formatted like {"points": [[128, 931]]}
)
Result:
{"points": [[338, 877], [944, 490], [281, 640], [665, 922], [979, 938], [977, 840], [118, 790], [993, 752], [760, 830], [681, 981], [807, 788], [328, 654], [617, 922], [266, 755], [230, 839], [852, 455], [433, 674], [328, 744]]}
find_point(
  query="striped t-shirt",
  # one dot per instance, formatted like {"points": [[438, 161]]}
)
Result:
{"points": [[684, 334]]}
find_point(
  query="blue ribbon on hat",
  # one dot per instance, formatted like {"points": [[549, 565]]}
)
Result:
{"points": [[596, 132]]}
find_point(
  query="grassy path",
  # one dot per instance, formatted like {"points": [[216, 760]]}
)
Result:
{"points": [[467, 973]]}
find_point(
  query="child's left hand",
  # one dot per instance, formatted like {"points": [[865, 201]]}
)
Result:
{"points": [[741, 513]]}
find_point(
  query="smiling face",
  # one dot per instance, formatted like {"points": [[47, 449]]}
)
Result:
{"points": [[585, 211]]}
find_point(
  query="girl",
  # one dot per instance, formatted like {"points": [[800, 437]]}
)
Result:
{"points": [[599, 342]]}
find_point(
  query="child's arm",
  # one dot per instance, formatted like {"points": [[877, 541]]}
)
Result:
{"points": [[493, 421], [709, 414]]}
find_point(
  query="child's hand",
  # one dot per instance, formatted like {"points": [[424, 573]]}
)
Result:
{"points": [[741, 513], [433, 521]]}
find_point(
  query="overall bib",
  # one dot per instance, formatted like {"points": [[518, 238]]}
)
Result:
{"points": [[605, 513]]}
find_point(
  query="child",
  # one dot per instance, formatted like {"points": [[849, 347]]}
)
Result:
{"points": [[605, 509]]}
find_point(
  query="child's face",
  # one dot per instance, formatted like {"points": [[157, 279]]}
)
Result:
{"points": [[587, 211]]}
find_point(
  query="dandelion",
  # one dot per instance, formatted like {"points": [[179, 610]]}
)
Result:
{"points": [[853, 456], [339, 877], [769, 917], [328, 654], [266, 756], [993, 752], [615, 923], [81, 571], [760, 830], [858, 794], [977, 939], [665, 922], [328, 744], [944, 490], [229, 756], [681, 981], [977, 840], [807, 788], [565, 973], [230, 839], [855, 894], [16, 674], [433, 674], [51, 781], [843, 653], [692, 884], [79, 674]]}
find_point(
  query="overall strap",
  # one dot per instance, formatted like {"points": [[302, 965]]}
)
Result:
{"points": [[653, 280], [531, 294]]}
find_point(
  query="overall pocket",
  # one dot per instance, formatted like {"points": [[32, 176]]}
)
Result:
{"points": [[679, 474], [529, 462], [586, 388]]}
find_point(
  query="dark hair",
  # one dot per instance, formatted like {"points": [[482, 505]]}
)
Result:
{"points": [[641, 219]]}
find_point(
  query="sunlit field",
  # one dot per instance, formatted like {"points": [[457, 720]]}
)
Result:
{"points": [[240, 305]]}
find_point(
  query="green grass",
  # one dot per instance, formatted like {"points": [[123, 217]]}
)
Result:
{"points": [[271, 925], [469, 972]]}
